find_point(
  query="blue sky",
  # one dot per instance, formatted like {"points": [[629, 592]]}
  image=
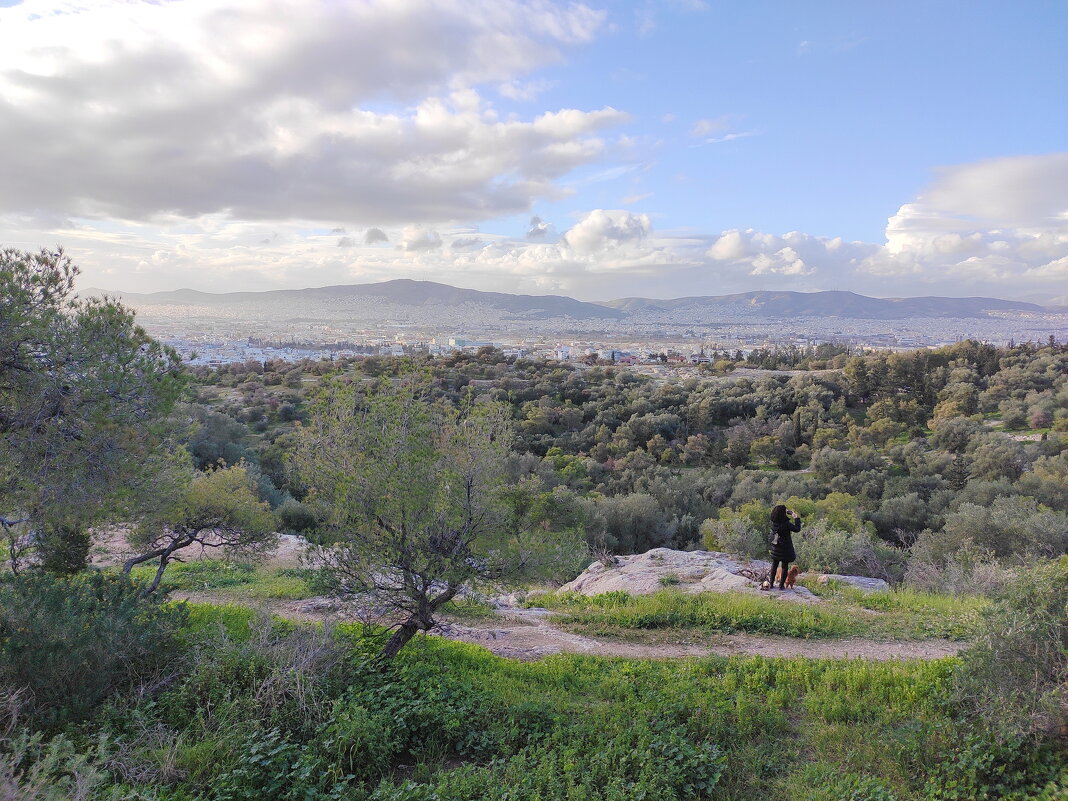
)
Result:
{"points": [[851, 105], [658, 148]]}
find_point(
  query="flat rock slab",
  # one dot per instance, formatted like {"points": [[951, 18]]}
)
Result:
{"points": [[684, 571], [860, 582]]}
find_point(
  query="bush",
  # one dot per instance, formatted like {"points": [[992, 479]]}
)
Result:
{"points": [[1015, 677], [858, 553], [298, 518], [941, 564], [32, 769], [735, 536], [70, 643]]}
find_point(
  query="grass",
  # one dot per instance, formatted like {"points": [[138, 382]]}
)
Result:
{"points": [[846, 611], [470, 610], [775, 728], [232, 580], [722, 612]]}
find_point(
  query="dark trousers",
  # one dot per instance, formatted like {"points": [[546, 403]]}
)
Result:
{"points": [[774, 566]]}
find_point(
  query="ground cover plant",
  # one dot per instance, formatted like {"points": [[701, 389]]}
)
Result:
{"points": [[236, 581], [904, 614], [262, 708]]}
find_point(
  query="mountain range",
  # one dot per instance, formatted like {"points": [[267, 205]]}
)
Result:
{"points": [[409, 293]]}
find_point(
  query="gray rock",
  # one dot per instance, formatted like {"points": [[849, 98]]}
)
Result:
{"points": [[685, 571], [860, 582]]}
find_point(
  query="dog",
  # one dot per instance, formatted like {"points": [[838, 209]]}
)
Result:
{"points": [[791, 577]]}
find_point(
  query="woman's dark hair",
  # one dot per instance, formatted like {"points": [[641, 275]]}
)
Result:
{"points": [[778, 515]]}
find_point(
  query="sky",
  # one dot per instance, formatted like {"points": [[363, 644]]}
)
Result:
{"points": [[600, 150]]}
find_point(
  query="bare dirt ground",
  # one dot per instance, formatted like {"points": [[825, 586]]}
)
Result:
{"points": [[529, 634]]}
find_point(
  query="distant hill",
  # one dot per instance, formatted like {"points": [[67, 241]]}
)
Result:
{"points": [[400, 292], [827, 304], [430, 299]]}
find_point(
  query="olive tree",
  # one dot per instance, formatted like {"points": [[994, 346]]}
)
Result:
{"points": [[81, 387], [414, 489]]}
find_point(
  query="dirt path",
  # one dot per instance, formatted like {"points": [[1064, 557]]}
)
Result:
{"points": [[529, 634]]}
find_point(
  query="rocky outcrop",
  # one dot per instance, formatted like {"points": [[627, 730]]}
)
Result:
{"points": [[686, 571]]}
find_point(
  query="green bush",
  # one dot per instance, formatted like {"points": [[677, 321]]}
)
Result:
{"points": [[1015, 676], [859, 553], [299, 518], [71, 642], [736, 535], [34, 769]]}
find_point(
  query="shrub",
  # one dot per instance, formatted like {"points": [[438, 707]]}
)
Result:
{"points": [[1015, 677], [298, 518], [940, 564], [32, 769], [858, 553], [70, 643], [1013, 526], [736, 535]]}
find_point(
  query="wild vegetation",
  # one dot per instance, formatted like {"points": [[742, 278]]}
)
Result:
{"points": [[945, 472]]}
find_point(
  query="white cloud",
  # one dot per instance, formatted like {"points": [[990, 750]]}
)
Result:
{"points": [[524, 91], [602, 230], [705, 127], [262, 110], [416, 238]]}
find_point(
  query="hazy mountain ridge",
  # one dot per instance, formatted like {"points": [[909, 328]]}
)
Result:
{"points": [[829, 304], [402, 292], [406, 292]]}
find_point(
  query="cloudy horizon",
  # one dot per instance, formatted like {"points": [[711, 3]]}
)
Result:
{"points": [[657, 149]]}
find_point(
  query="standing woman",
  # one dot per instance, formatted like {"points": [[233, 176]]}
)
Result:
{"points": [[784, 523]]}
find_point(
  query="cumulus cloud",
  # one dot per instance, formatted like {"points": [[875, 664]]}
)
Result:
{"points": [[415, 238], [260, 111], [602, 230], [465, 243], [993, 222], [992, 227], [374, 235], [538, 228]]}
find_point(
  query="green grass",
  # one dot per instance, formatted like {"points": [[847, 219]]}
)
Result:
{"points": [[575, 727], [232, 580], [469, 609], [723, 612], [292, 711], [898, 614]]}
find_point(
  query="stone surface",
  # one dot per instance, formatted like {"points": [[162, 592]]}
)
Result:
{"points": [[860, 582], [686, 571]]}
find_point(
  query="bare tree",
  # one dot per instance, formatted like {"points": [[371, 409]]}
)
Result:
{"points": [[415, 492]]}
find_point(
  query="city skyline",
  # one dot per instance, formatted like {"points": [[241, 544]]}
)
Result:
{"points": [[596, 150]]}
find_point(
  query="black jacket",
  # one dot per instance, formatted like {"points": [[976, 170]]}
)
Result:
{"points": [[782, 541]]}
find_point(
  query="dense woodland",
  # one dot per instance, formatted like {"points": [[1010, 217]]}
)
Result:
{"points": [[931, 467], [944, 472]]}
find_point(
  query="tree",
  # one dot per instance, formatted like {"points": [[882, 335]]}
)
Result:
{"points": [[218, 509], [81, 387], [414, 488]]}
